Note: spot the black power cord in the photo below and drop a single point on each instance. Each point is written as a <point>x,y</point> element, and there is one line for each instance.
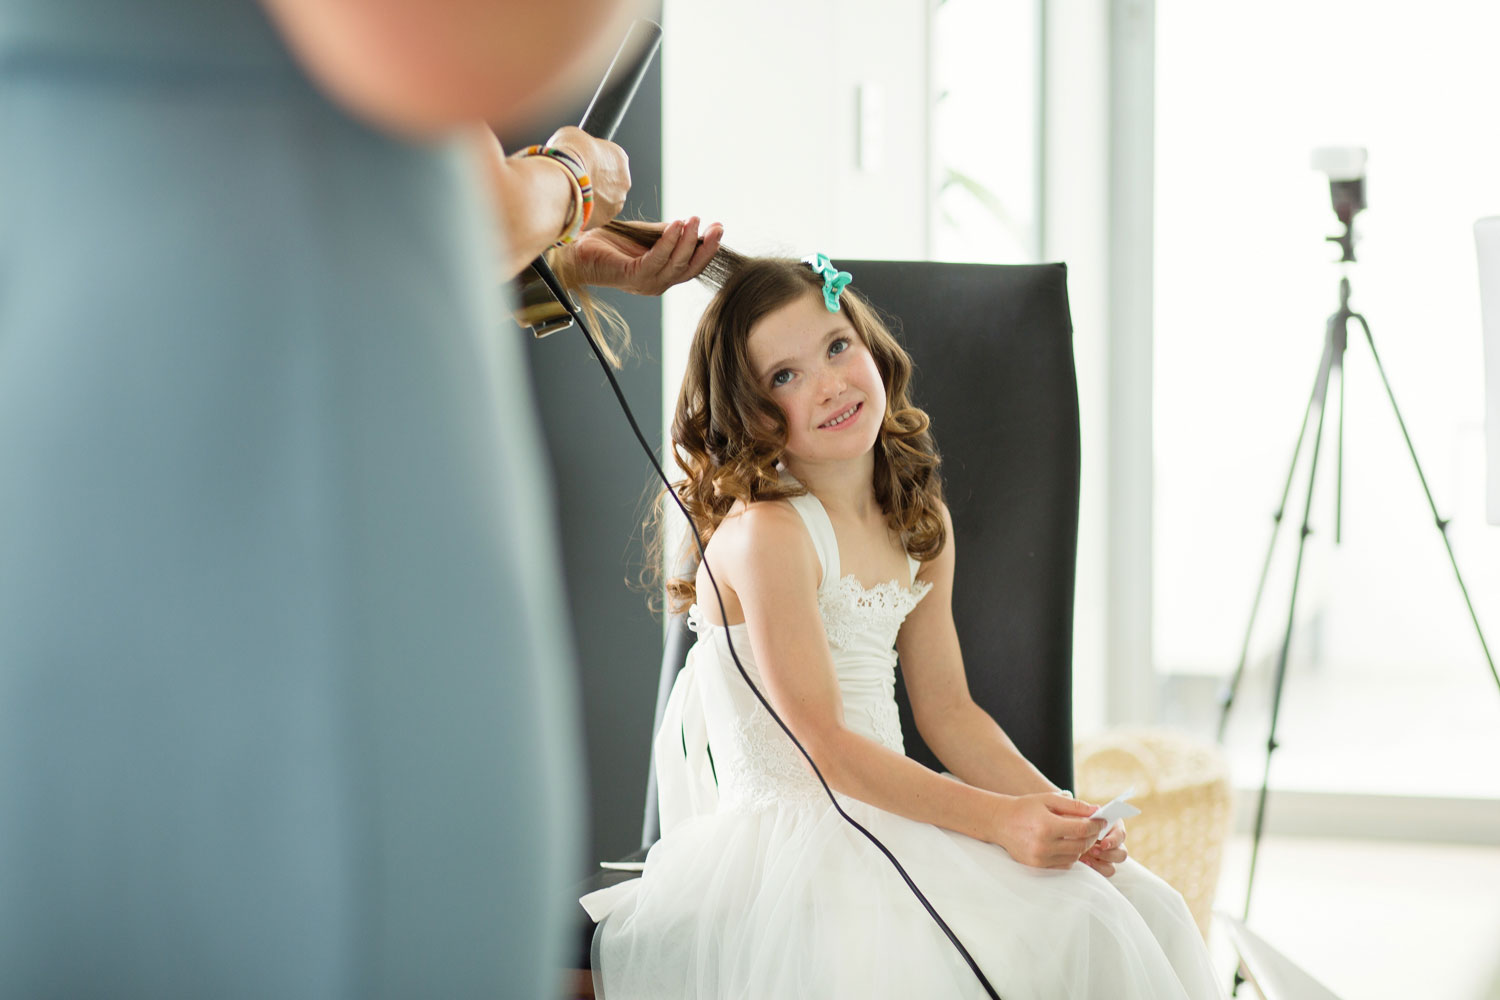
<point>550,279</point>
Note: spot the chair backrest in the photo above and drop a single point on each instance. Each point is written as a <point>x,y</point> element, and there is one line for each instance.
<point>1487,241</point>
<point>993,349</point>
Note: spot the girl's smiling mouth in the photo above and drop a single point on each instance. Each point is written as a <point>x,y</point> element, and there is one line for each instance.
<point>843,419</point>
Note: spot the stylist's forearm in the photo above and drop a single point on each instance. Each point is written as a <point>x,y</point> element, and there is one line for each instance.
<point>533,199</point>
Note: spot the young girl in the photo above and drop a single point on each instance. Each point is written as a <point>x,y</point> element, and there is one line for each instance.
<point>813,480</point>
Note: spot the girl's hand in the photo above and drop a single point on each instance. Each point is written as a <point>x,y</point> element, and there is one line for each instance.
<point>608,166</point>
<point>1047,829</point>
<point>1110,851</point>
<point>603,259</point>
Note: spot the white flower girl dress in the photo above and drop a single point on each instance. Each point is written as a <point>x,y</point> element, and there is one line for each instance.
<point>759,889</point>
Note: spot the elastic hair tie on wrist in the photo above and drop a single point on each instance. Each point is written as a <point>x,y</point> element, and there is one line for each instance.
<point>834,280</point>
<point>583,189</point>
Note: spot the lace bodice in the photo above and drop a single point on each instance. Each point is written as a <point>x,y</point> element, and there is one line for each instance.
<point>849,609</point>
<point>755,763</point>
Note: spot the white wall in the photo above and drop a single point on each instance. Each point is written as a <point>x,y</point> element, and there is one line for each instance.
<point>761,133</point>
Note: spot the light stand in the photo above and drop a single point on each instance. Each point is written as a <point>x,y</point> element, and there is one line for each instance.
<point>1348,200</point>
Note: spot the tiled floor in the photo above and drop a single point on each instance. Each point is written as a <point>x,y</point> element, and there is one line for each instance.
<point>1373,920</point>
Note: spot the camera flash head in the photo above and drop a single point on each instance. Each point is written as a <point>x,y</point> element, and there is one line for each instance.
<point>1345,167</point>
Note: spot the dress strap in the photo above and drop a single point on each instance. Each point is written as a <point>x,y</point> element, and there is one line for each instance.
<point>912,565</point>
<point>821,530</point>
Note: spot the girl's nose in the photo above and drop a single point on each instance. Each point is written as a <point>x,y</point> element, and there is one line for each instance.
<point>831,383</point>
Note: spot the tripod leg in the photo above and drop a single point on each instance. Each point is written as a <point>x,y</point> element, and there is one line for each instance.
<point>1442,523</point>
<point>1338,475</point>
<point>1286,641</point>
<point>1231,690</point>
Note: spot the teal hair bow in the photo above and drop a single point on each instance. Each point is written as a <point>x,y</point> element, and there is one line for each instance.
<point>834,280</point>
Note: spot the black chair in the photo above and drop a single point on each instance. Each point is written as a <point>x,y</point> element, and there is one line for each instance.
<point>994,369</point>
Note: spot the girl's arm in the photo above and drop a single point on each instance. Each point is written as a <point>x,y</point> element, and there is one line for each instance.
<point>968,741</point>
<point>962,735</point>
<point>775,577</point>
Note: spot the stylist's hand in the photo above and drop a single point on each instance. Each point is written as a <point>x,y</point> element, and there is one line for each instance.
<point>609,261</point>
<point>1047,829</point>
<point>1110,851</point>
<point>608,166</point>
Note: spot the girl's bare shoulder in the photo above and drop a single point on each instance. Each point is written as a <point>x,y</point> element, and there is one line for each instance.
<point>764,529</point>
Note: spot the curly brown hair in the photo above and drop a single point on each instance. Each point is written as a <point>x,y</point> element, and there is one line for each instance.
<point>728,433</point>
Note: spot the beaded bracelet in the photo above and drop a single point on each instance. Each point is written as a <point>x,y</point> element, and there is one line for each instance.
<point>583,189</point>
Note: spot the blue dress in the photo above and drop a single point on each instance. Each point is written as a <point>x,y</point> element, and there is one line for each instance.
<point>285,687</point>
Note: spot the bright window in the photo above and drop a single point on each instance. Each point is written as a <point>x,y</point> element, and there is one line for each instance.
<point>1387,689</point>
<point>985,138</point>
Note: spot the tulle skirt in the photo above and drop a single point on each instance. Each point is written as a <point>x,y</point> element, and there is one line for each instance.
<point>792,901</point>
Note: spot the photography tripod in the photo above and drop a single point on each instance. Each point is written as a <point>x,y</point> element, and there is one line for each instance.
<point>1334,345</point>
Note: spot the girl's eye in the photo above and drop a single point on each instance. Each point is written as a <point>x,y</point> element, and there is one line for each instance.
<point>839,346</point>
<point>781,378</point>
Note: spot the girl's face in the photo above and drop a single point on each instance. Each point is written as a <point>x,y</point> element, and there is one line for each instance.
<point>822,376</point>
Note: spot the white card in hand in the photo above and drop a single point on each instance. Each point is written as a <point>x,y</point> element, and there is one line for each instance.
<point>1115,811</point>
